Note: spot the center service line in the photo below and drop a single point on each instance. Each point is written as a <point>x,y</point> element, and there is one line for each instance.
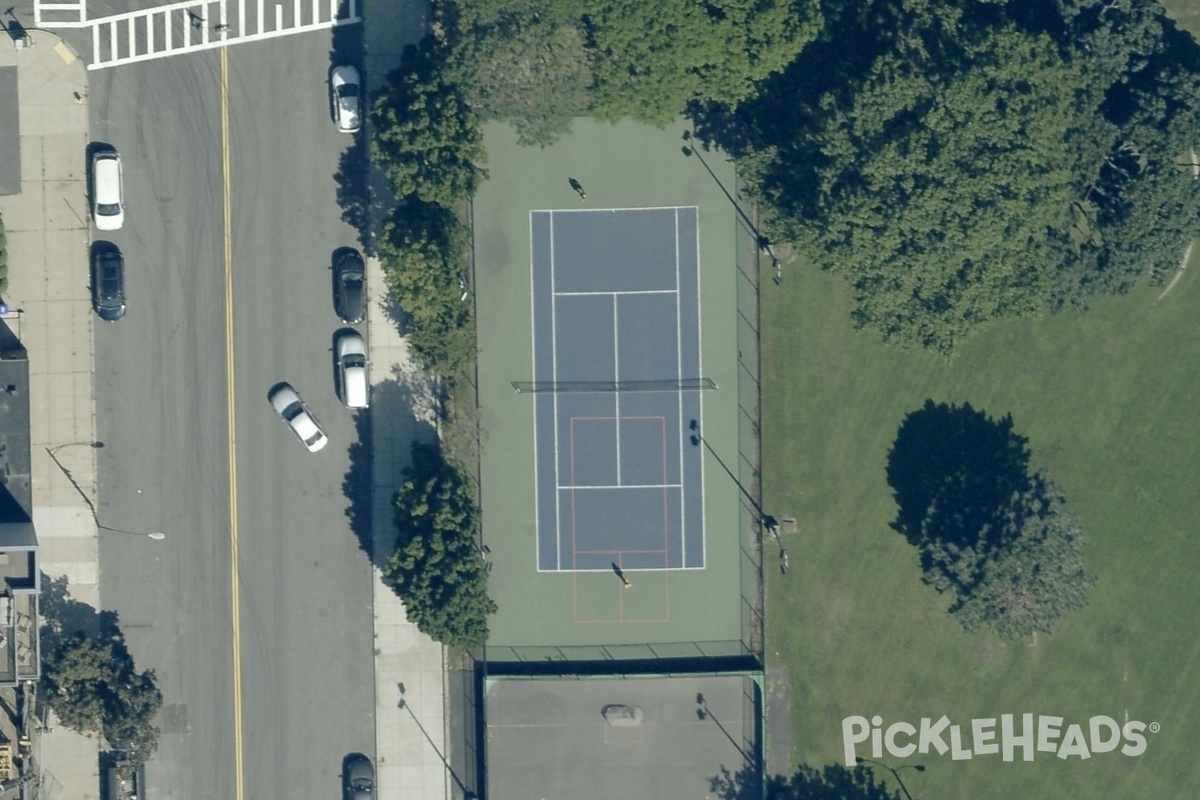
<point>235,598</point>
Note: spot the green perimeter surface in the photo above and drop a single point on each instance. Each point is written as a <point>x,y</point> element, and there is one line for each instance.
<point>1109,403</point>
<point>620,166</point>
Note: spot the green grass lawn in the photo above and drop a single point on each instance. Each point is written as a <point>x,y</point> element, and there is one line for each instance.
<point>1184,12</point>
<point>1110,401</point>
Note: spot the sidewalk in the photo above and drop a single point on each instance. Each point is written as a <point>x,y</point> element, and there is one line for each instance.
<point>410,742</point>
<point>48,232</point>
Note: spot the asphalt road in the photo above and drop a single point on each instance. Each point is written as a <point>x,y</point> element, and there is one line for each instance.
<point>305,625</point>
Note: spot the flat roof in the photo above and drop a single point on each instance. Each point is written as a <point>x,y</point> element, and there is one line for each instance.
<point>549,738</point>
<point>16,490</point>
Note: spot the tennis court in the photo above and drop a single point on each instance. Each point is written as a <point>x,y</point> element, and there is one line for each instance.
<point>615,318</point>
<point>618,382</point>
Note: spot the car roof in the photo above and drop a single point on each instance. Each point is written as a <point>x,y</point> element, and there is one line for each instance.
<point>352,343</point>
<point>108,177</point>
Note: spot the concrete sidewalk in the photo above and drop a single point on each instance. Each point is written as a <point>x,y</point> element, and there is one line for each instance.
<point>50,311</point>
<point>411,742</point>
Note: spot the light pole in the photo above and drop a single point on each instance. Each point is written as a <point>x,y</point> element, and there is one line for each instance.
<point>156,535</point>
<point>764,244</point>
<point>57,447</point>
<point>895,772</point>
<point>52,451</point>
<point>467,793</point>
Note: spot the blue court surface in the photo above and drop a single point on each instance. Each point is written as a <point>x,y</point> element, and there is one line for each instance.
<point>618,380</point>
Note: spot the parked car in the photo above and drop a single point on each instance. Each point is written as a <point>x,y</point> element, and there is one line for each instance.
<point>352,370</point>
<point>287,403</point>
<point>349,292</point>
<point>345,94</point>
<point>108,281</point>
<point>358,777</point>
<point>108,193</point>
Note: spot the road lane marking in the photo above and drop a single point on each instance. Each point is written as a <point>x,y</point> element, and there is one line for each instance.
<point>235,599</point>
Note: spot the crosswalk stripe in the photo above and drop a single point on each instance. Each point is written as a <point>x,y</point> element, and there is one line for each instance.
<point>190,26</point>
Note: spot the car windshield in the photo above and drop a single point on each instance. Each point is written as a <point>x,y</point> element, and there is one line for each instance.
<point>109,209</point>
<point>355,360</point>
<point>362,785</point>
<point>293,410</point>
<point>348,90</point>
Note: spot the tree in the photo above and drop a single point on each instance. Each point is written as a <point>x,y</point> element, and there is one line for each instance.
<point>437,568</point>
<point>532,70</point>
<point>427,140</point>
<point>830,782</point>
<point>652,59</point>
<point>997,538</point>
<point>423,251</point>
<point>964,162</point>
<point>74,682</point>
<point>1025,587</point>
<point>934,193</point>
<point>93,687</point>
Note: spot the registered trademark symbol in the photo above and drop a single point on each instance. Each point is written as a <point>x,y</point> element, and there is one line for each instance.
<point>1155,727</point>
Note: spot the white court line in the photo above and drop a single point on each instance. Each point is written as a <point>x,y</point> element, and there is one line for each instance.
<point>622,210</point>
<point>537,508</point>
<point>700,364</point>
<point>554,378</point>
<point>617,380</point>
<point>608,570</point>
<point>626,486</point>
<point>616,294</point>
<point>679,394</point>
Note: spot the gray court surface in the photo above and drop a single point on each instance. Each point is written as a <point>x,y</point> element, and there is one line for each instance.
<point>549,739</point>
<point>616,303</point>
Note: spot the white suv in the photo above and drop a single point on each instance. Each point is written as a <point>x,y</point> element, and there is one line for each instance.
<point>108,194</point>
<point>352,371</point>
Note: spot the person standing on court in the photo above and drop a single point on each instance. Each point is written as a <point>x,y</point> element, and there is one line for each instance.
<point>578,187</point>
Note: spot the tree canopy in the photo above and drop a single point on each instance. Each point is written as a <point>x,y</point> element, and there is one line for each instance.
<point>532,70</point>
<point>652,59</point>
<point>437,568</point>
<point>423,248</point>
<point>963,162</point>
<point>93,687</point>
<point>996,537</point>
<point>429,146</point>
<point>427,140</point>
<point>541,63</point>
<point>829,782</point>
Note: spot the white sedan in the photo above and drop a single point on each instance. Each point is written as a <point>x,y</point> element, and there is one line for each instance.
<point>345,93</point>
<point>287,403</point>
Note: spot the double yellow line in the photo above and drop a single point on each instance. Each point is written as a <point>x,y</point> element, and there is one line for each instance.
<point>235,597</point>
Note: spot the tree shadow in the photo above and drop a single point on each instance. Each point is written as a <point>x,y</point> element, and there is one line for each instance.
<point>954,472</point>
<point>64,617</point>
<point>398,417</point>
<point>831,782</point>
<point>353,191</point>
